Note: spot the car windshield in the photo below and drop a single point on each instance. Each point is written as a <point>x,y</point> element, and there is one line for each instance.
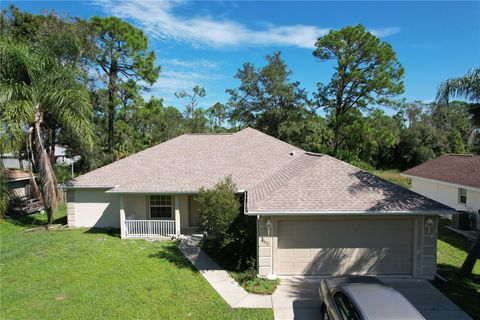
<point>346,307</point>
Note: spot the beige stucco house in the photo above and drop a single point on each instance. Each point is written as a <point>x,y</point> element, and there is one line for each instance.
<point>316,215</point>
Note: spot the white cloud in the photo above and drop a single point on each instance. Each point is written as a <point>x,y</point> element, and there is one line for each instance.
<point>158,18</point>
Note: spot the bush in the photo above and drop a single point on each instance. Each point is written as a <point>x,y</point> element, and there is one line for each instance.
<point>232,233</point>
<point>219,207</point>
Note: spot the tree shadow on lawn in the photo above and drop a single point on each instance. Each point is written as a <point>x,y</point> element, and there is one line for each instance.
<point>463,291</point>
<point>111,232</point>
<point>173,255</point>
<point>456,240</point>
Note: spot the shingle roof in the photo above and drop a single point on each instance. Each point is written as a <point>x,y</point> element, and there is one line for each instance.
<point>16,175</point>
<point>192,161</point>
<point>320,183</point>
<point>278,177</point>
<point>453,168</point>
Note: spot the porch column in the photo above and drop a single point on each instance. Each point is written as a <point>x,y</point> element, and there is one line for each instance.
<point>177,215</point>
<point>122,218</point>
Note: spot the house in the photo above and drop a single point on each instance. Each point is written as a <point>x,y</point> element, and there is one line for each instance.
<point>451,179</point>
<point>18,183</point>
<point>316,215</point>
<point>12,160</point>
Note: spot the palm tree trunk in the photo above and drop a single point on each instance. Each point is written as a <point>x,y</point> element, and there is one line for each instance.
<point>48,180</point>
<point>472,257</point>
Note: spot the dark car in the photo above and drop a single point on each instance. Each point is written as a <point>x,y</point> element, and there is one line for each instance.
<point>363,298</point>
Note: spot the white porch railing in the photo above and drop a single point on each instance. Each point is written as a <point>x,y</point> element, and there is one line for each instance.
<point>149,228</point>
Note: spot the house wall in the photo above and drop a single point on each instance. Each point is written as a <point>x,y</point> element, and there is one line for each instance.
<point>17,188</point>
<point>93,208</point>
<point>447,194</point>
<point>424,245</point>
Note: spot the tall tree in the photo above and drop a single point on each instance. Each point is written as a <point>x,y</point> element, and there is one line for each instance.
<point>266,97</point>
<point>367,74</point>
<point>122,55</point>
<point>34,88</point>
<point>216,115</point>
<point>468,87</point>
<point>195,118</point>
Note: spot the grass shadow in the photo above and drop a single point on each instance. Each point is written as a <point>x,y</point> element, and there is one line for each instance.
<point>173,255</point>
<point>454,239</point>
<point>463,291</point>
<point>112,232</point>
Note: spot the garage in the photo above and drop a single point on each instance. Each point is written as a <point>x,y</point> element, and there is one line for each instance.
<point>347,245</point>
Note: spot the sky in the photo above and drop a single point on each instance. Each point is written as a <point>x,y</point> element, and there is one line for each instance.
<point>206,42</point>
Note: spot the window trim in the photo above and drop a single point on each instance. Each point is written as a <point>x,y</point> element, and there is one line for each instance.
<point>462,191</point>
<point>171,206</point>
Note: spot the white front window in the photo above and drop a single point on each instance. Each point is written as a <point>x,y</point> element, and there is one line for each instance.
<point>160,206</point>
<point>462,195</point>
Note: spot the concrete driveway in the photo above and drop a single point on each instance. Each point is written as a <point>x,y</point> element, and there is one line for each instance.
<point>298,298</point>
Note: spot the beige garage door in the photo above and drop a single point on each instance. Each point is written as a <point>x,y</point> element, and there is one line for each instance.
<point>347,246</point>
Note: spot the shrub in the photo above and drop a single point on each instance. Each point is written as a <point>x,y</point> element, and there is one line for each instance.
<point>219,207</point>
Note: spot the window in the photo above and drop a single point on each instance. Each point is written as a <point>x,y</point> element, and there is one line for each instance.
<point>462,195</point>
<point>161,207</point>
<point>346,307</point>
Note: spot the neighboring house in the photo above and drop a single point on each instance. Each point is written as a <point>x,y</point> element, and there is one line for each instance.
<point>18,183</point>
<point>316,215</point>
<point>11,159</point>
<point>452,179</point>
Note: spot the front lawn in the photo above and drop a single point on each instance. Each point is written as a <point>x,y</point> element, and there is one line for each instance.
<point>93,274</point>
<point>463,291</point>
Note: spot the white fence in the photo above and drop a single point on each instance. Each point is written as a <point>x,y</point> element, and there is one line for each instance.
<point>149,228</point>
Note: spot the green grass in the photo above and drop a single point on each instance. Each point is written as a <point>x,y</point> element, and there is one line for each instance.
<point>463,291</point>
<point>394,177</point>
<point>93,274</point>
<point>246,278</point>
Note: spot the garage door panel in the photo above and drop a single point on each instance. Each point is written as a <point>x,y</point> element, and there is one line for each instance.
<point>325,247</point>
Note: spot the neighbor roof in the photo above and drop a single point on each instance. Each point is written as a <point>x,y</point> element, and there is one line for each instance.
<point>277,176</point>
<point>461,169</point>
<point>13,175</point>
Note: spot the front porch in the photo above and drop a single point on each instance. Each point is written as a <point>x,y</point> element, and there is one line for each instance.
<point>158,215</point>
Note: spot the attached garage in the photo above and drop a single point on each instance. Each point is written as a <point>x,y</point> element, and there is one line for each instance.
<point>331,246</point>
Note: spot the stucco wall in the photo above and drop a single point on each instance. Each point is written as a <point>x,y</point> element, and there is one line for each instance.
<point>183,206</point>
<point>135,206</point>
<point>447,194</point>
<point>95,208</point>
<point>424,246</point>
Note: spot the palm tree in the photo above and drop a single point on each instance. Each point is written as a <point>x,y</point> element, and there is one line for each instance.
<point>467,87</point>
<point>34,89</point>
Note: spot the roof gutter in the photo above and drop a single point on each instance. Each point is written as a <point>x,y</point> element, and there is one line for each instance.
<point>456,185</point>
<point>347,212</point>
<point>67,187</point>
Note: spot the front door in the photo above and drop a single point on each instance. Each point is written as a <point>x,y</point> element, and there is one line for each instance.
<point>193,212</point>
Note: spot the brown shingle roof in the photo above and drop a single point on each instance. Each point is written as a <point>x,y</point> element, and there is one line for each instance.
<point>277,176</point>
<point>453,168</point>
<point>16,175</point>
<point>320,183</point>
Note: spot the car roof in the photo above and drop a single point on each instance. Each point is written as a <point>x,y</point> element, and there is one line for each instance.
<point>379,301</point>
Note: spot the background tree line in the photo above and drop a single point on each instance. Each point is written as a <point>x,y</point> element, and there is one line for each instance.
<point>80,83</point>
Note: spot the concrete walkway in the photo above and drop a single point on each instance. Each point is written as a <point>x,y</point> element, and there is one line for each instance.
<point>220,280</point>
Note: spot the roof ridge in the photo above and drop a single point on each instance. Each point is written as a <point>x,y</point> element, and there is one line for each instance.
<point>270,137</point>
<point>278,178</point>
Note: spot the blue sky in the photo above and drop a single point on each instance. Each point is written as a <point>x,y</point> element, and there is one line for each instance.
<point>204,42</point>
